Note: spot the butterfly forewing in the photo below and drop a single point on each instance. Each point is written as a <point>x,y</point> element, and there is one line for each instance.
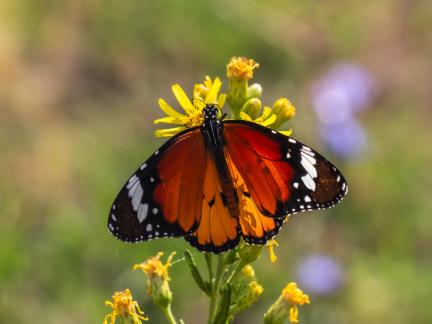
<point>297,177</point>
<point>147,205</point>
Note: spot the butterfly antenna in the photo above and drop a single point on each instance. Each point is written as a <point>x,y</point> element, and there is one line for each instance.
<point>198,99</point>
<point>224,115</point>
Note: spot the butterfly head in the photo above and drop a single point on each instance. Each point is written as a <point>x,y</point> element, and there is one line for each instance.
<point>210,112</point>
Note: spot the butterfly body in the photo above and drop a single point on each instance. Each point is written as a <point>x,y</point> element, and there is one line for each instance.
<point>212,129</point>
<point>221,181</point>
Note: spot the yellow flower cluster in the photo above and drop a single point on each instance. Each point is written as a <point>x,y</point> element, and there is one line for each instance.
<point>241,68</point>
<point>206,92</point>
<point>244,101</point>
<point>154,266</point>
<point>295,296</point>
<point>287,305</point>
<point>125,307</point>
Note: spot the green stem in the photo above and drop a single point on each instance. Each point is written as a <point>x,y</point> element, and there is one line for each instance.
<point>236,271</point>
<point>169,315</point>
<point>209,261</point>
<point>215,293</point>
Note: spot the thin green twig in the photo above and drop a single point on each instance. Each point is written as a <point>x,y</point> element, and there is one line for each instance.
<point>169,315</point>
<point>209,261</point>
<point>215,293</point>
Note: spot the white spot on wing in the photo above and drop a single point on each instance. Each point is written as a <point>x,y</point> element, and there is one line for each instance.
<point>291,140</point>
<point>308,157</point>
<point>149,228</point>
<point>113,218</point>
<point>308,181</point>
<point>142,212</point>
<point>132,181</point>
<point>295,185</point>
<point>137,196</point>
<point>308,166</point>
<point>155,211</point>
<point>288,155</point>
<point>307,199</point>
<point>142,167</point>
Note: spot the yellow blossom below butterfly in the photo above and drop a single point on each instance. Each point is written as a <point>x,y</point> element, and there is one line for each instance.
<point>125,307</point>
<point>203,93</point>
<point>287,305</point>
<point>157,279</point>
<point>271,244</point>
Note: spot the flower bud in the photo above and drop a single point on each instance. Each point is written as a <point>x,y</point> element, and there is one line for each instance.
<point>249,253</point>
<point>255,91</point>
<point>246,289</point>
<point>247,296</point>
<point>252,107</point>
<point>284,110</point>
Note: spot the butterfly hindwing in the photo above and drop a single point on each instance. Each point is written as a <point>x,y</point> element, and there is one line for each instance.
<point>217,230</point>
<point>255,227</point>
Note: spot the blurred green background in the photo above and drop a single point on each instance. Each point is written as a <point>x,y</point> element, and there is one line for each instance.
<point>79,84</point>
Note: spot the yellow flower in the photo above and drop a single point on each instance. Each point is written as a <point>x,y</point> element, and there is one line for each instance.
<point>239,71</point>
<point>206,92</point>
<point>266,119</point>
<point>240,67</point>
<point>125,307</point>
<point>157,279</point>
<point>293,295</point>
<point>154,266</point>
<point>271,244</point>
<point>287,305</point>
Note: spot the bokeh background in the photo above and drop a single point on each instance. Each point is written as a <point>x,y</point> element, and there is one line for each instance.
<point>79,84</point>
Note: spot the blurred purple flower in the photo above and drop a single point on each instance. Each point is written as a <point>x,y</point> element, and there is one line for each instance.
<point>346,139</point>
<point>346,89</point>
<point>320,274</point>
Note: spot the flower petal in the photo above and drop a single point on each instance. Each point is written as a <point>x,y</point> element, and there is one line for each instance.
<point>286,132</point>
<point>266,112</point>
<point>245,116</point>
<point>168,132</point>
<point>221,99</point>
<point>183,99</point>
<point>167,109</point>
<point>213,91</point>
<point>269,120</point>
<point>169,120</point>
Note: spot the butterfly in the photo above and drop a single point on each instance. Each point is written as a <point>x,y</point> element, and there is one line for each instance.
<point>222,181</point>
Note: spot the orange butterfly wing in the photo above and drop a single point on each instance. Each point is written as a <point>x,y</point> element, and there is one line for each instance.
<point>217,230</point>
